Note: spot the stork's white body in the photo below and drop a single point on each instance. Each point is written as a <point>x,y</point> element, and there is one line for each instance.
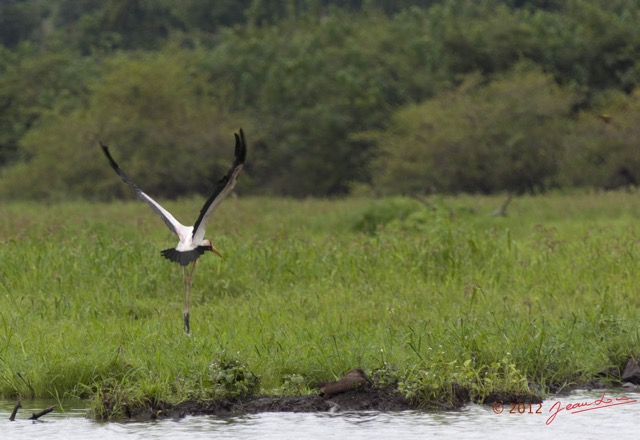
<point>191,242</point>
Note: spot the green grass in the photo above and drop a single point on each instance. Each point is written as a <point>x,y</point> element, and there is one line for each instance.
<point>424,295</point>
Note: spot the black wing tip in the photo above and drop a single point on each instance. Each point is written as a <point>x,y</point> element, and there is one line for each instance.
<point>241,147</point>
<point>105,150</point>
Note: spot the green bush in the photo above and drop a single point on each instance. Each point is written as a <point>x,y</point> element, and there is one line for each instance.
<point>479,138</point>
<point>230,378</point>
<point>381,213</point>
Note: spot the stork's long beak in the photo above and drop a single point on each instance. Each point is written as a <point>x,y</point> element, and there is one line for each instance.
<point>216,251</point>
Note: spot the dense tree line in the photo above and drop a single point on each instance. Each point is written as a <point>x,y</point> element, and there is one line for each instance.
<point>386,96</point>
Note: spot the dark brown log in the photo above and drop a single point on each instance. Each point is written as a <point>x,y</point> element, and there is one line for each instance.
<point>502,210</point>
<point>36,416</point>
<point>15,411</point>
<point>354,379</point>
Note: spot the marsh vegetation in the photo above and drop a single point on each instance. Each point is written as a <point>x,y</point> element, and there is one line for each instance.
<point>427,298</point>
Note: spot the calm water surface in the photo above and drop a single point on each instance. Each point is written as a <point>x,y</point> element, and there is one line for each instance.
<point>590,415</point>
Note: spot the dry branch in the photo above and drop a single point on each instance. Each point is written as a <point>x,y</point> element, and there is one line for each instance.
<point>502,210</point>
<point>15,410</point>
<point>36,416</point>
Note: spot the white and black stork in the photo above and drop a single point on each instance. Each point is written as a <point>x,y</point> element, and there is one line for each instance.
<point>192,243</point>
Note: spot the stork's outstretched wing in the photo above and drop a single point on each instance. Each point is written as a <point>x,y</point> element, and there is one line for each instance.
<point>223,188</point>
<point>174,225</point>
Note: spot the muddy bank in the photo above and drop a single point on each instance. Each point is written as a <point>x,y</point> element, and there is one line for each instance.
<point>383,399</point>
<point>369,396</point>
<point>371,399</point>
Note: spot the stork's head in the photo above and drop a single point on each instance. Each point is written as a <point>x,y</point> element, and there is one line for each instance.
<point>207,243</point>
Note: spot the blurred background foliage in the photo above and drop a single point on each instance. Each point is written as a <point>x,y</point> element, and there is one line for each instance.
<point>384,97</point>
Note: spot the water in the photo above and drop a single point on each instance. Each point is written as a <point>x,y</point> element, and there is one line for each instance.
<point>593,416</point>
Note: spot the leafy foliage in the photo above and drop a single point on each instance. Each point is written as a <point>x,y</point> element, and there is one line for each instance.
<point>602,147</point>
<point>382,213</point>
<point>150,107</point>
<point>511,89</point>
<point>231,378</point>
<point>443,382</point>
<point>478,138</point>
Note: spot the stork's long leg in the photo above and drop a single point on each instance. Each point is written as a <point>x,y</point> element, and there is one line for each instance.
<point>185,311</point>
<point>187,296</point>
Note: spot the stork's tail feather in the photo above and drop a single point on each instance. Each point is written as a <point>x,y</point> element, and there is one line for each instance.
<point>183,258</point>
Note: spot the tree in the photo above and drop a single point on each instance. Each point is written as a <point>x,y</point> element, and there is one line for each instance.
<point>505,135</point>
<point>19,20</point>
<point>314,90</point>
<point>159,115</point>
<point>602,148</point>
<point>33,84</point>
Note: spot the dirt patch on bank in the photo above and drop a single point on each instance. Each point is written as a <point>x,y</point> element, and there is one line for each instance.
<point>372,399</point>
<point>383,399</point>
<point>366,396</point>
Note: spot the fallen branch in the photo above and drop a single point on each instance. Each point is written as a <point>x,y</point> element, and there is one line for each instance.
<point>425,201</point>
<point>502,210</point>
<point>36,416</point>
<point>15,411</point>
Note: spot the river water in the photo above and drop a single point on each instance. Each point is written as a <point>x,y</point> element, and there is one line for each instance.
<point>581,415</point>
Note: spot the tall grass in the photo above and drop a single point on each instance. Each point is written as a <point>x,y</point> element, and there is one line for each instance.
<point>430,295</point>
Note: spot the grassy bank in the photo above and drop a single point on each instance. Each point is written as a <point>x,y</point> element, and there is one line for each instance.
<point>426,295</point>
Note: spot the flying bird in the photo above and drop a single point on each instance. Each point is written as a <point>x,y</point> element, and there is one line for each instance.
<point>192,243</point>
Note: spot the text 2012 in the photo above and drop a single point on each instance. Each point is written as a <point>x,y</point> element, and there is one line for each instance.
<point>517,408</point>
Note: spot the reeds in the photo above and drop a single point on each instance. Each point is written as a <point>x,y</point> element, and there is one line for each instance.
<point>440,294</point>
